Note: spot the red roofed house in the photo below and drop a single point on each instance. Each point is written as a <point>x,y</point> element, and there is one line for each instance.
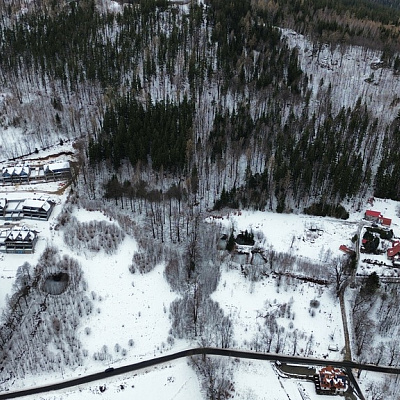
<point>376,216</point>
<point>372,215</point>
<point>393,251</point>
<point>331,380</point>
<point>385,221</point>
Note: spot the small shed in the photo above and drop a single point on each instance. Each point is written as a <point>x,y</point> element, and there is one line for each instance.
<point>385,221</point>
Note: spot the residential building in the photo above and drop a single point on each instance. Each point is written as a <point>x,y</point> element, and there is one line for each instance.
<point>57,170</point>
<point>331,380</point>
<point>372,216</point>
<point>37,209</point>
<point>18,240</point>
<point>377,217</point>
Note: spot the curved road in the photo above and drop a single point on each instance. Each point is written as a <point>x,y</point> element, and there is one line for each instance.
<point>348,365</point>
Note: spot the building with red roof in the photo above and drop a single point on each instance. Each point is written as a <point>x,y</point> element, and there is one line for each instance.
<point>331,380</point>
<point>371,215</point>
<point>345,249</point>
<point>376,216</point>
<point>385,221</point>
<point>393,251</point>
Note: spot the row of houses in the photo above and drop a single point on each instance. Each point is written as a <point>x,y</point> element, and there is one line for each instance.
<point>37,208</point>
<point>17,174</point>
<point>18,240</point>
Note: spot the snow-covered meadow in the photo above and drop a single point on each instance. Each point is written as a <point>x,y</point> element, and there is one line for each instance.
<point>130,317</point>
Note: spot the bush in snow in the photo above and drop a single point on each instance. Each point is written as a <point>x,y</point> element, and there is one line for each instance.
<point>38,331</point>
<point>93,235</point>
<point>151,253</point>
<point>314,303</point>
<point>216,377</point>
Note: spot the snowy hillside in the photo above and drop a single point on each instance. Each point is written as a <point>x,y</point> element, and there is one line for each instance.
<point>218,173</point>
<point>347,73</point>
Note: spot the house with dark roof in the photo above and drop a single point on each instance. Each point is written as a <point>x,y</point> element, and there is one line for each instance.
<point>6,174</point>
<point>20,174</point>
<point>18,240</point>
<point>57,170</point>
<point>37,209</point>
<point>17,209</point>
<point>15,174</point>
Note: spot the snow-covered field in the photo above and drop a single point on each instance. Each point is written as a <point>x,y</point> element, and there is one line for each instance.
<point>247,304</point>
<point>135,306</point>
<point>292,233</point>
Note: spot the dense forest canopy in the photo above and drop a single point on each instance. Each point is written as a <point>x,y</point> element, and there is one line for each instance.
<point>213,88</point>
<point>371,23</point>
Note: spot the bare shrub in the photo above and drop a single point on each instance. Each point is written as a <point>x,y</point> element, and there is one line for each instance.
<point>216,377</point>
<point>93,235</point>
<point>314,303</point>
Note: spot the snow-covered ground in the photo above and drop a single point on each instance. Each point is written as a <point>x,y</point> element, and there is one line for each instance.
<point>131,322</point>
<point>292,233</point>
<point>135,306</point>
<point>352,72</point>
<point>247,304</point>
<point>168,381</point>
<point>254,380</point>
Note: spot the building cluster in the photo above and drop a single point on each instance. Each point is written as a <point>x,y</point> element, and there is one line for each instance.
<point>17,174</point>
<point>15,239</point>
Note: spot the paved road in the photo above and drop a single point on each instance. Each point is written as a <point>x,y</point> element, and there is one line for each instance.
<point>348,365</point>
